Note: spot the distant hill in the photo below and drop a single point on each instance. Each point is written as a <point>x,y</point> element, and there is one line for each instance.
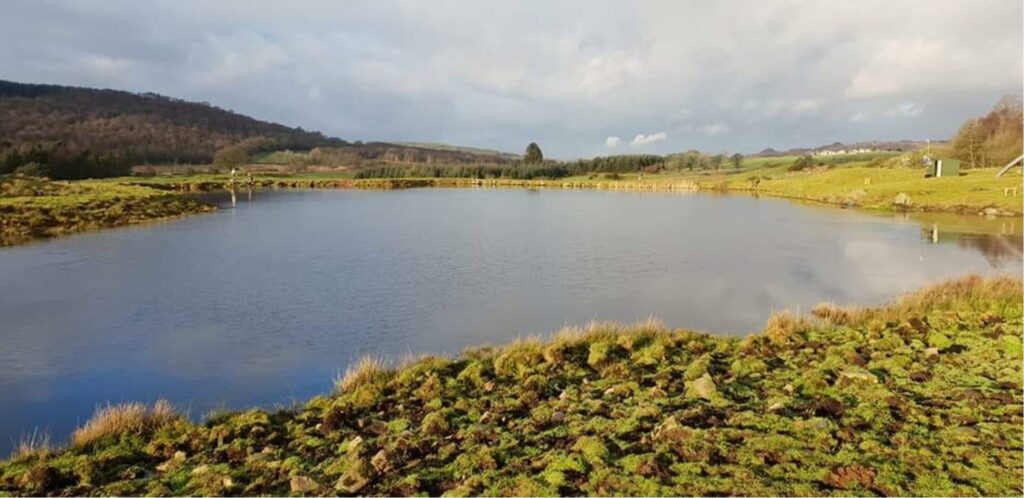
<point>457,148</point>
<point>81,132</point>
<point>141,128</point>
<point>839,147</point>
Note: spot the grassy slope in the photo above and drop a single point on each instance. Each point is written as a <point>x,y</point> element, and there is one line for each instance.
<point>972,193</point>
<point>923,397</point>
<point>32,208</point>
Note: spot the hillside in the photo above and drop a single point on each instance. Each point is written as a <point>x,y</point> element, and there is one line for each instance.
<point>76,132</point>
<point>142,128</point>
<point>839,147</point>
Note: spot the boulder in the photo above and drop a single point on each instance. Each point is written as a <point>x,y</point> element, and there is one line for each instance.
<point>703,387</point>
<point>902,200</point>
<point>671,431</point>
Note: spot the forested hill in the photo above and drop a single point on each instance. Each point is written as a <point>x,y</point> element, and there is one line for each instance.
<point>72,132</point>
<point>140,128</point>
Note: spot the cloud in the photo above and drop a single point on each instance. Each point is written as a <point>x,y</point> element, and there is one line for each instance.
<point>905,110</point>
<point>741,75</point>
<point>643,140</point>
<point>712,129</point>
<point>612,142</point>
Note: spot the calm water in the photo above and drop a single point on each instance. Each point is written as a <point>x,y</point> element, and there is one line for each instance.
<point>266,302</point>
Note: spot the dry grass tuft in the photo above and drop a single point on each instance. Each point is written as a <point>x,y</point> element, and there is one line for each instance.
<point>833,313</point>
<point>34,445</point>
<point>365,371</point>
<point>970,289</point>
<point>785,327</point>
<point>123,418</point>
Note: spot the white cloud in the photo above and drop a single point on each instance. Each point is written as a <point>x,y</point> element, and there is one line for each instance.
<point>105,67</point>
<point>905,110</point>
<point>227,59</point>
<point>642,140</point>
<point>605,73</point>
<point>907,65</point>
<point>712,129</point>
<point>612,142</point>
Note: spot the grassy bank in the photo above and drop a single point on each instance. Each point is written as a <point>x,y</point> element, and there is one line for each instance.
<point>31,208</point>
<point>921,397</point>
<point>66,207</point>
<point>851,185</point>
<point>880,188</point>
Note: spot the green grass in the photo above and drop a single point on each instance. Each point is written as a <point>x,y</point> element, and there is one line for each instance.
<point>878,187</point>
<point>32,208</point>
<point>921,397</point>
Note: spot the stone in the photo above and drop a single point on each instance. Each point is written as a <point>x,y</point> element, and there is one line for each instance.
<point>776,407</point>
<point>931,352</point>
<point>703,387</point>
<point>671,431</point>
<point>353,445</point>
<point>354,479</point>
<point>380,461</point>
<point>558,416</point>
<point>859,375</point>
<point>202,469</point>
<point>903,200</point>
<point>302,485</point>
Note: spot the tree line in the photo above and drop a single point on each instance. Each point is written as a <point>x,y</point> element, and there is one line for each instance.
<point>991,140</point>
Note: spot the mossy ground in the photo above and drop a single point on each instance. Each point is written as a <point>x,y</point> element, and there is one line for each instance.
<point>32,208</point>
<point>922,397</point>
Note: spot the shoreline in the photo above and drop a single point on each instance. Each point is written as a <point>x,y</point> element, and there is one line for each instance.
<point>29,221</point>
<point>890,399</point>
<point>625,185</point>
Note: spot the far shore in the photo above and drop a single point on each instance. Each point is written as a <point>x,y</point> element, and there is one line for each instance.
<point>36,208</point>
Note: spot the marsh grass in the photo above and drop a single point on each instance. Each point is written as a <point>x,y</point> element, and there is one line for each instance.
<point>32,445</point>
<point>131,417</point>
<point>366,370</point>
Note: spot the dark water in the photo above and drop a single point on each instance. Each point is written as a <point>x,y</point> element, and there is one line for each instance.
<point>267,302</point>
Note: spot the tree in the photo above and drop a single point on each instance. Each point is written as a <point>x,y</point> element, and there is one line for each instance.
<point>692,159</point>
<point>993,139</point>
<point>717,160</point>
<point>231,157</point>
<point>533,154</point>
<point>737,160</point>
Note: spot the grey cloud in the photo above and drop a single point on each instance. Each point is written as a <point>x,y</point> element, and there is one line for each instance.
<point>713,75</point>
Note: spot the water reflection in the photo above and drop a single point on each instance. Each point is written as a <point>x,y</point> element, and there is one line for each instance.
<point>998,239</point>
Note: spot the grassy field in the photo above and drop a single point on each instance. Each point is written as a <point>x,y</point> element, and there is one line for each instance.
<point>921,397</point>
<point>75,206</point>
<point>851,181</point>
<point>31,208</point>
<point>878,188</point>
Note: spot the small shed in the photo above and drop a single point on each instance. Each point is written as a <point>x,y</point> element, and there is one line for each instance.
<point>939,168</point>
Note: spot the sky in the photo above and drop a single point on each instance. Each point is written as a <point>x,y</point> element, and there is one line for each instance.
<point>579,78</point>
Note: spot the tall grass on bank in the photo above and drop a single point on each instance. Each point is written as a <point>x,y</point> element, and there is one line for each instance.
<point>123,418</point>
